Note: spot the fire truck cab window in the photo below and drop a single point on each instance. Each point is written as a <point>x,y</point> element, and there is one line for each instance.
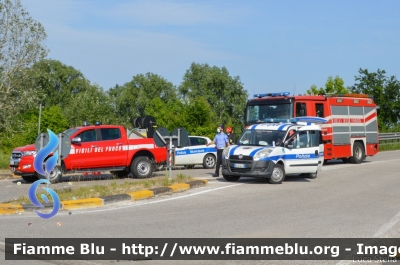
<point>110,133</point>
<point>319,110</point>
<point>88,136</point>
<point>301,109</point>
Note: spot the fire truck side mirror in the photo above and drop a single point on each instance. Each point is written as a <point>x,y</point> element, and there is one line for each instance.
<point>76,140</point>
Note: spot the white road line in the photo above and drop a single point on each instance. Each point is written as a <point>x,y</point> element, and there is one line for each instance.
<point>380,233</point>
<point>389,225</point>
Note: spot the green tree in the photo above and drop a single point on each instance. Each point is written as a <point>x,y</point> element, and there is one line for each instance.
<point>225,94</point>
<point>91,105</point>
<point>196,117</point>
<point>51,118</point>
<point>167,114</point>
<point>332,86</point>
<point>21,39</point>
<point>57,82</point>
<point>386,93</point>
<point>133,97</point>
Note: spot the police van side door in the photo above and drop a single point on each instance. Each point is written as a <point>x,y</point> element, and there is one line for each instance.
<point>302,152</point>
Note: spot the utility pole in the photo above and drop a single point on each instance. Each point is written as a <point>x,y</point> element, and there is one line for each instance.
<point>40,114</point>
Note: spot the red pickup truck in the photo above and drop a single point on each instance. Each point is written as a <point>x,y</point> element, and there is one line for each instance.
<point>96,148</point>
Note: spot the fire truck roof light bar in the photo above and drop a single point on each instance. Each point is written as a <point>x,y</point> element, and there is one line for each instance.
<point>276,94</point>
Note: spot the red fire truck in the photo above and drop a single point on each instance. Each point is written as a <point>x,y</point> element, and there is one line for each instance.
<point>351,132</point>
<point>96,148</point>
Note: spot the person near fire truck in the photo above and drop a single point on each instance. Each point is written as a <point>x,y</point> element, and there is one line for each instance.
<point>231,135</point>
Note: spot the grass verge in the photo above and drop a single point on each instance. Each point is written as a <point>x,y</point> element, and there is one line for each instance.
<point>111,189</point>
<point>389,145</point>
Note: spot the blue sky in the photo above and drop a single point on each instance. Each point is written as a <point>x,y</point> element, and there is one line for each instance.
<point>272,46</point>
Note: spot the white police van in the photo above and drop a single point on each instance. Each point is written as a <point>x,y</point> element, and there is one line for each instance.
<point>273,150</point>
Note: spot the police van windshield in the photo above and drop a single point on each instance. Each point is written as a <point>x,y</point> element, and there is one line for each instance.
<point>262,137</point>
<point>268,113</point>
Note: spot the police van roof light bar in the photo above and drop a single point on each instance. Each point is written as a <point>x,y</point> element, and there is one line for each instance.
<point>276,94</point>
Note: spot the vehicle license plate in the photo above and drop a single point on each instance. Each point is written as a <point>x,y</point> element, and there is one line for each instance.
<point>239,165</point>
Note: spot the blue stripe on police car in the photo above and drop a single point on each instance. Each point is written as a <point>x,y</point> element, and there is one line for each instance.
<point>195,151</point>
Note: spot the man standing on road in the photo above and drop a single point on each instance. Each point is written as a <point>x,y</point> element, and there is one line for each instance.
<point>221,141</point>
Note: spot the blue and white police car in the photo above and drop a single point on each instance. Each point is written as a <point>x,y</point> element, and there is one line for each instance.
<point>273,150</point>
<point>196,153</point>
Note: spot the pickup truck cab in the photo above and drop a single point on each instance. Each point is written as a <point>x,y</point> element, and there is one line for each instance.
<point>272,150</point>
<point>96,148</point>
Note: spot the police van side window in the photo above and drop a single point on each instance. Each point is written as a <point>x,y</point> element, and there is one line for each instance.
<point>110,133</point>
<point>306,139</point>
<point>88,136</point>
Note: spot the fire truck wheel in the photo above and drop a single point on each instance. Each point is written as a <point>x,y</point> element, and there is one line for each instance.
<point>141,167</point>
<point>358,153</point>
<point>231,178</point>
<point>30,179</point>
<point>55,175</point>
<point>209,161</point>
<point>278,174</point>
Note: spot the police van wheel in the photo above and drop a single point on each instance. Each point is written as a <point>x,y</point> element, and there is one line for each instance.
<point>209,161</point>
<point>141,167</point>
<point>55,175</point>
<point>278,174</point>
<point>358,153</point>
<point>30,179</point>
<point>231,178</point>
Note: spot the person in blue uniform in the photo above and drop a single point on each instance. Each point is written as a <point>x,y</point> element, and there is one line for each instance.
<point>221,141</point>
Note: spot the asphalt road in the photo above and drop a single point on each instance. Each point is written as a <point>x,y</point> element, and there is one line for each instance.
<point>345,201</point>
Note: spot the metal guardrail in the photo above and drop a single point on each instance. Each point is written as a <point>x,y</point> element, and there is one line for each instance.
<point>389,136</point>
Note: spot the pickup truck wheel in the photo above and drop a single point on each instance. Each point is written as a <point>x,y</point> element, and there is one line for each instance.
<point>55,175</point>
<point>209,161</point>
<point>278,174</point>
<point>141,167</point>
<point>30,179</point>
<point>231,178</point>
<point>358,153</point>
